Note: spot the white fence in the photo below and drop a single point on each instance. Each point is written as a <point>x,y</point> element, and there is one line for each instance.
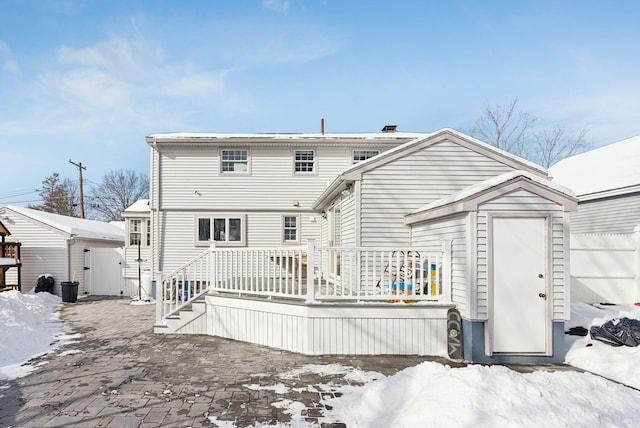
<point>605,267</point>
<point>311,274</point>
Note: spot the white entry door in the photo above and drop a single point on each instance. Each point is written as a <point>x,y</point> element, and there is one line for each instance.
<point>519,320</point>
<point>105,272</point>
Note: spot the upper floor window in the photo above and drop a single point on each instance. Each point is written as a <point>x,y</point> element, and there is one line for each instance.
<point>225,230</point>
<point>360,155</point>
<point>236,160</point>
<point>304,161</point>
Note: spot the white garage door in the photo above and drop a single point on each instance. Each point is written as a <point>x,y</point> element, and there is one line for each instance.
<point>105,272</point>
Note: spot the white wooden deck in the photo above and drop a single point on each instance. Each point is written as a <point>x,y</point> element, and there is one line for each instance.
<point>246,295</point>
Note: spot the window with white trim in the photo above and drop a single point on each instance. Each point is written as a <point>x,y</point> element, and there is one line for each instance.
<point>290,228</point>
<point>236,160</point>
<point>223,229</point>
<point>135,232</point>
<point>304,161</point>
<point>360,155</point>
<point>148,232</point>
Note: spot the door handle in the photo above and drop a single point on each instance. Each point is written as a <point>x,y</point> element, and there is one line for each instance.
<point>540,276</point>
<point>542,296</point>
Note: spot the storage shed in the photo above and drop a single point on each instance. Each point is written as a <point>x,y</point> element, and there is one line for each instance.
<point>67,248</point>
<point>510,277</point>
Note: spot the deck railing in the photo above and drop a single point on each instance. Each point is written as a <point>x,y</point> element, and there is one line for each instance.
<point>313,274</point>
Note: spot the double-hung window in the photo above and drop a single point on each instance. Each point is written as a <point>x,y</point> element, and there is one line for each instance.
<point>234,160</point>
<point>290,228</point>
<point>304,161</point>
<point>135,232</point>
<point>225,230</point>
<point>360,155</point>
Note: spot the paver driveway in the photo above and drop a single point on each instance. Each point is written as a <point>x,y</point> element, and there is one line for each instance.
<point>120,374</point>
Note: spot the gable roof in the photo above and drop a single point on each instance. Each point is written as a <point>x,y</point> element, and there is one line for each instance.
<point>72,226</point>
<point>355,172</point>
<point>141,206</point>
<point>614,168</point>
<point>470,197</point>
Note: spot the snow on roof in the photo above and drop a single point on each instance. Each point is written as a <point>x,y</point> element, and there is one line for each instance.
<point>490,183</point>
<point>206,136</point>
<point>81,228</point>
<point>610,167</point>
<point>139,206</point>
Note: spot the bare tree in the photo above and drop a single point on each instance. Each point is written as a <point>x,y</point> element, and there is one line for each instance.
<point>556,143</point>
<point>118,190</point>
<point>514,130</point>
<point>58,197</point>
<point>505,127</point>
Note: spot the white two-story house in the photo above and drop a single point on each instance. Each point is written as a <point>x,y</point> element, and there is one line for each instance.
<point>359,243</point>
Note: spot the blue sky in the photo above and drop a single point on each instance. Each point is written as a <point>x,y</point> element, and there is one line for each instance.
<point>88,80</point>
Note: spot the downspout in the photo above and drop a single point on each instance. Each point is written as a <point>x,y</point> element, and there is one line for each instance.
<point>70,241</point>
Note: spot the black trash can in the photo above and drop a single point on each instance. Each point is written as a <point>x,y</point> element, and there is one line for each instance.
<point>69,291</point>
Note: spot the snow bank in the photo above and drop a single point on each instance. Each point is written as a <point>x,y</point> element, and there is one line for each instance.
<point>435,395</point>
<point>29,327</point>
<point>621,363</point>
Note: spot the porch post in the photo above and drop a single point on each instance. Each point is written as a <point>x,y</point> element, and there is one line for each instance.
<point>446,271</point>
<point>310,271</point>
<point>213,280</point>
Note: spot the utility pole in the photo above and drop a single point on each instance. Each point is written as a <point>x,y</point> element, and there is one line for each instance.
<point>80,168</point>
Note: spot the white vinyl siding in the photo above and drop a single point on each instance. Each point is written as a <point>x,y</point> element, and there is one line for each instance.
<point>430,235</point>
<point>43,251</point>
<point>391,191</point>
<point>327,329</point>
<point>263,229</point>
<point>348,221</point>
<point>615,215</point>
<point>519,202</point>
<point>187,170</point>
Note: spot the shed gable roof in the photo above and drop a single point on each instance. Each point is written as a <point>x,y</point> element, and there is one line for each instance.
<point>78,227</point>
<point>470,197</point>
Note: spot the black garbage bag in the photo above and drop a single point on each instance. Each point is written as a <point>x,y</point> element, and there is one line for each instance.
<point>45,283</point>
<point>618,332</point>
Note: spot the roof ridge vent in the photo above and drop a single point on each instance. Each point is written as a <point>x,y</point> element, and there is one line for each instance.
<point>389,128</point>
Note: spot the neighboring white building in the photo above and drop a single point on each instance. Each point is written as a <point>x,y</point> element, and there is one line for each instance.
<point>360,192</point>
<point>605,230</point>
<point>606,181</point>
<point>68,248</point>
<point>137,246</point>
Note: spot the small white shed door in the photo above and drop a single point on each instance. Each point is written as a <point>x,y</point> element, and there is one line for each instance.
<point>519,321</point>
<point>105,272</point>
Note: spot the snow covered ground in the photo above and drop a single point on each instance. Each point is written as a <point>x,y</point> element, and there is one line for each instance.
<point>428,394</point>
